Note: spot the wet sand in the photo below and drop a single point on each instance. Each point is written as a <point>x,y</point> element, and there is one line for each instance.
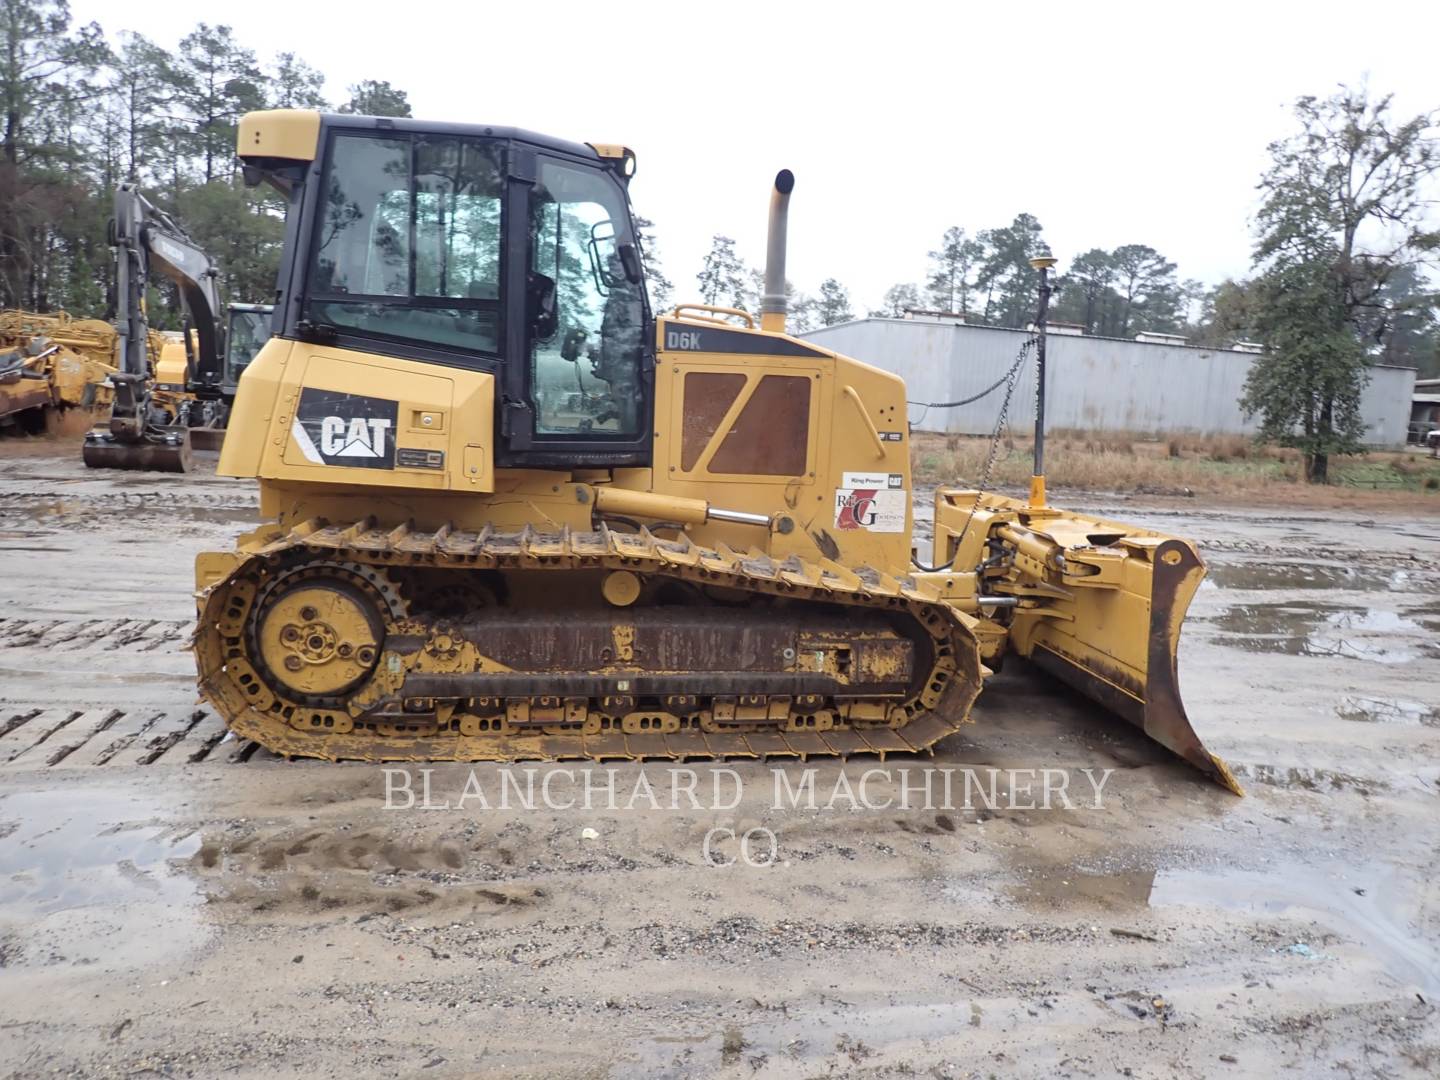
<point>174,902</point>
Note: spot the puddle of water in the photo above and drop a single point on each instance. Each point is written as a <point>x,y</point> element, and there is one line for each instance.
<point>1306,575</point>
<point>1072,887</point>
<point>1310,629</point>
<point>1308,778</point>
<point>1388,711</point>
<point>1371,917</point>
<point>1375,917</point>
<point>94,880</point>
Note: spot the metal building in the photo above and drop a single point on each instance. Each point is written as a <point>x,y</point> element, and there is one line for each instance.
<point>1424,409</point>
<point>1093,383</point>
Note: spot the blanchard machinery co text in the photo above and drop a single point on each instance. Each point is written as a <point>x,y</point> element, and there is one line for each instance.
<point>720,789</point>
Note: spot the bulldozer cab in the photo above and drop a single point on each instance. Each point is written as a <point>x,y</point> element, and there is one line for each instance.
<point>492,249</point>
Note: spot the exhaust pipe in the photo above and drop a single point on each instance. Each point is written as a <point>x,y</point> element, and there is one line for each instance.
<point>772,303</point>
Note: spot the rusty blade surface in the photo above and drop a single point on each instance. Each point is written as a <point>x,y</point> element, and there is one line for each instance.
<point>1154,706</point>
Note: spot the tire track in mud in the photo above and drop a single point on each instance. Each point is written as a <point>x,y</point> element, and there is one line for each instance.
<point>138,635</point>
<point>1292,552</point>
<point>236,500</point>
<point>51,735</point>
<point>46,738</point>
<point>48,509</point>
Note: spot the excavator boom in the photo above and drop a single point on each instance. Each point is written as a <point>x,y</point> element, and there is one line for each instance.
<point>139,434</point>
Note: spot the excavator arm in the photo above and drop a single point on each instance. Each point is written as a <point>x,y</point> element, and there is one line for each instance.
<point>146,238</point>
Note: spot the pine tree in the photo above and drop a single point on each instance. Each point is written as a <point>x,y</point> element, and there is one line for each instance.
<point>952,266</point>
<point>294,84</point>
<point>215,80</point>
<point>655,279</point>
<point>1084,292</point>
<point>834,303</point>
<point>1005,273</point>
<point>1145,280</point>
<point>374,97</point>
<point>802,316</point>
<point>139,93</point>
<point>898,300</point>
<point>722,276</point>
<point>44,68</point>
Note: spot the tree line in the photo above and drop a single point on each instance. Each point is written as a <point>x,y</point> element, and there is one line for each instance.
<point>82,115</point>
<point>1342,275</point>
<point>986,278</point>
<point>1342,271</point>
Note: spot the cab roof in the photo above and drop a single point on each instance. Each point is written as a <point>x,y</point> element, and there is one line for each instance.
<point>346,121</point>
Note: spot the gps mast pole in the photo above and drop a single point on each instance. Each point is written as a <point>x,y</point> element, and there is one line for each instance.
<point>1043,263</point>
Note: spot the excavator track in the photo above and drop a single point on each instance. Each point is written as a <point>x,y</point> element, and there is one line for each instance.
<point>366,642</point>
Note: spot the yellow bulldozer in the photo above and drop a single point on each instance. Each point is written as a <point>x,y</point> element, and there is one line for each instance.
<point>511,513</point>
<point>51,364</point>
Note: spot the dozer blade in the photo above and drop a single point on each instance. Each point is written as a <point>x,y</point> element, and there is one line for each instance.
<point>207,438</point>
<point>164,450</point>
<point>1100,606</point>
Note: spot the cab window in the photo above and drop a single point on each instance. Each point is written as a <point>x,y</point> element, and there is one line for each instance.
<point>249,330</point>
<point>407,240</point>
<point>585,369</point>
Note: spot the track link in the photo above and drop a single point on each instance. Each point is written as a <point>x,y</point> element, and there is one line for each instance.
<point>366,556</point>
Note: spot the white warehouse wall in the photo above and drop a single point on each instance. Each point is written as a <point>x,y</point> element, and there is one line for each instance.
<point>1093,383</point>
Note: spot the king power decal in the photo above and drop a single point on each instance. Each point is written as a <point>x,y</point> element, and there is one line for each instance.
<point>334,428</point>
<point>874,502</point>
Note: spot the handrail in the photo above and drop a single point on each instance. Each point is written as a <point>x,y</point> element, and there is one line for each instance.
<point>735,312</point>
<point>854,396</point>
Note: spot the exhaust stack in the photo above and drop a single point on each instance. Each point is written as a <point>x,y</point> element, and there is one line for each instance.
<point>772,303</point>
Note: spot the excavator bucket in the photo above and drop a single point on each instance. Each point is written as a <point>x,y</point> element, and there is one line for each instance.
<point>207,438</point>
<point>161,450</point>
<point>1098,604</point>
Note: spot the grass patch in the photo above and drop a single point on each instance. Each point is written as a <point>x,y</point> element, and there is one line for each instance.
<point>1182,465</point>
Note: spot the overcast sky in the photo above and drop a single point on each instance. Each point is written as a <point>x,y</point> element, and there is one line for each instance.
<point>1112,123</point>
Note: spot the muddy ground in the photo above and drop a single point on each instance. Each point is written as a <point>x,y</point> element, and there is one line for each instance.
<point>176,903</point>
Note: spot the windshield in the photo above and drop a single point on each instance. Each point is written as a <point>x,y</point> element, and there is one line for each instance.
<point>407,243</point>
<point>585,374</point>
<point>249,330</point>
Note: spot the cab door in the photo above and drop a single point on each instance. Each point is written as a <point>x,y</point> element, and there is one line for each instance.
<point>580,378</point>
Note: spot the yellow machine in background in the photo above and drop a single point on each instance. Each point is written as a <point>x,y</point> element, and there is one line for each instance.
<point>50,364</point>
<point>246,330</point>
<point>171,364</point>
<point>511,513</point>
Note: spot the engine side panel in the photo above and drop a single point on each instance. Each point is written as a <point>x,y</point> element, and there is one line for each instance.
<point>768,424</point>
<point>313,414</point>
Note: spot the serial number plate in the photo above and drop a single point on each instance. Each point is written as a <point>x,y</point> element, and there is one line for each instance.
<point>407,458</point>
